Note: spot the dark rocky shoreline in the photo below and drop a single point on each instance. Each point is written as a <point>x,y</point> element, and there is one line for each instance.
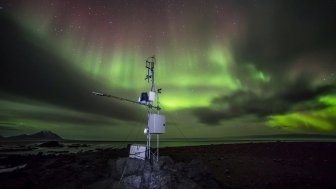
<point>252,165</point>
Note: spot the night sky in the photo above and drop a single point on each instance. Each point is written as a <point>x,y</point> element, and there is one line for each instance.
<point>226,68</point>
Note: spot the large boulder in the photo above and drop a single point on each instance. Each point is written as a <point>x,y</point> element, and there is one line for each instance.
<point>131,182</point>
<point>128,173</point>
<point>166,162</point>
<point>160,179</point>
<point>128,166</point>
<point>134,167</point>
<point>119,166</point>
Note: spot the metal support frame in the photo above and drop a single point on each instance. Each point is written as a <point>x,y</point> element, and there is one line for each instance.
<point>150,62</point>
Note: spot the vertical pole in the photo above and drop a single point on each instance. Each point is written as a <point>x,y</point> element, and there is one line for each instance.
<point>149,146</point>
<point>157,147</point>
<point>153,84</point>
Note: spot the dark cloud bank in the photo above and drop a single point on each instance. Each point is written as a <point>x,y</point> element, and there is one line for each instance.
<point>31,71</point>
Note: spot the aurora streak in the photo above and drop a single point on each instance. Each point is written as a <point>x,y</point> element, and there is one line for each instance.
<point>227,68</point>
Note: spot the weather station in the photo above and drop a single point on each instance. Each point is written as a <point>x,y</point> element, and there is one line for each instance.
<point>156,121</point>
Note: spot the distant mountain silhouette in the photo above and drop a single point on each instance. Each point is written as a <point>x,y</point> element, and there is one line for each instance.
<point>42,135</point>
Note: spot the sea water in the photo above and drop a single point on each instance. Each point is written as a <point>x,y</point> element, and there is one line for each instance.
<point>32,147</point>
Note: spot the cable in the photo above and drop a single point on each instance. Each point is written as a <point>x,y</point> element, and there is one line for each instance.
<point>181,132</point>
<point>137,134</point>
<point>122,175</point>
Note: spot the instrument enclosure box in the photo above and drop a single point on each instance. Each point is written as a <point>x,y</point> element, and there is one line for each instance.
<point>137,151</point>
<point>156,124</point>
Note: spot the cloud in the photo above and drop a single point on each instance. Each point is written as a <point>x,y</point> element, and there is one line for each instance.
<point>322,120</point>
<point>67,117</point>
<point>273,38</point>
<point>32,72</point>
<point>32,113</point>
<point>4,127</point>
<point>7,129</point>
<point>297,96</point>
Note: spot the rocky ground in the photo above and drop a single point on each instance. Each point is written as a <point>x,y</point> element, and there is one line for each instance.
<point>253,165</point>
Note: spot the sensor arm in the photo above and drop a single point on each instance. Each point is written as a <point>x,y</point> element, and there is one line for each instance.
<point>124,99</point>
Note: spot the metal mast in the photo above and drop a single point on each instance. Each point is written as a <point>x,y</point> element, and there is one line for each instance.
<point>156,122</point>
<point>152,116</point>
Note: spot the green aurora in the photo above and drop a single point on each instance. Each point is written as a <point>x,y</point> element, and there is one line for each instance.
<point>218,80</point>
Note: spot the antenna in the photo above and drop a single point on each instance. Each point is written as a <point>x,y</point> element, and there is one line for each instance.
<point>150,71</point>
<point>156,122</point>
